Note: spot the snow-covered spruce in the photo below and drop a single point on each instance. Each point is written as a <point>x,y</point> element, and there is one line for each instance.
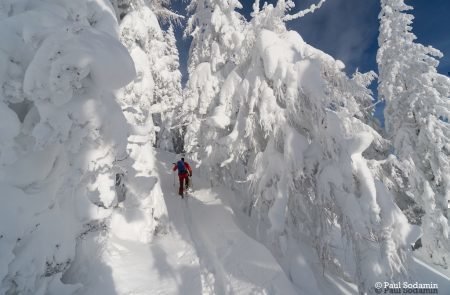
<point>290,134</point>
<point>149,102</point>
<point>217,34</point>
<point>417,113</point>
<point>168,94</point>
<point>61,132</point>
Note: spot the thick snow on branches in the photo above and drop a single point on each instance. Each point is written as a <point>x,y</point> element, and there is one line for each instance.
<point>284,145</point>
<point>62,131</point>
<point>417,113</point>
<point>289,131</point>
<point>217,35</point>
<point>291,138</point>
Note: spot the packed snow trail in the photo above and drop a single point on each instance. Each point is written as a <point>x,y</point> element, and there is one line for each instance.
<point>230,261</point>
<point>200,251</point>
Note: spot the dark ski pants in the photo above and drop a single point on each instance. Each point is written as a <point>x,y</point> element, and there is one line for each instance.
<point>184,182</point>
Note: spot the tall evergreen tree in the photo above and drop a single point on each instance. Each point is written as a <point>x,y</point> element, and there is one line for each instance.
<point>416,116</point>
<point>217,32</point>
<point>168,91</point>
<point>157,89</point>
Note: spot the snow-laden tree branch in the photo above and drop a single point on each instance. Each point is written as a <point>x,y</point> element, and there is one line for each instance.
<point>304,12</point>
<point>168,16</point>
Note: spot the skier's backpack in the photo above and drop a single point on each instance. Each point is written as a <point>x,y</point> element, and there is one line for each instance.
<point>181,167</point>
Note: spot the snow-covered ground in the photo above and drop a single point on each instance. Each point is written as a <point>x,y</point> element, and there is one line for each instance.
<point>200,249</point>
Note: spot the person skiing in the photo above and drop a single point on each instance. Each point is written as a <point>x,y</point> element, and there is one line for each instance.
<point>184,172</point>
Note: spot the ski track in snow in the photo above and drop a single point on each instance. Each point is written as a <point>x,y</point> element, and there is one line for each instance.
<point>213,278</point>
<point>200,251</point>
<point>230,261</point>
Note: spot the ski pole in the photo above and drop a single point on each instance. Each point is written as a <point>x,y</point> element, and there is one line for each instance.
<point>173,177</point>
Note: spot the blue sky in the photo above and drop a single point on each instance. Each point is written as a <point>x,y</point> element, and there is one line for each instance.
<point>348,29</point>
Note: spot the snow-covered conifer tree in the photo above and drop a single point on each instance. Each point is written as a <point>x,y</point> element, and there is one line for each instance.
<point>168,92</point>
<point>296,134</point>
<point>172,137</point>
<point>157,89</point>
<point>61,133</point>
<point>416,114</point>
<point>217,33</point>
<point>138,29</point>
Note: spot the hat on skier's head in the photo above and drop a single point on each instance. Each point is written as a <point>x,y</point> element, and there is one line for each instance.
<point>182,159</point>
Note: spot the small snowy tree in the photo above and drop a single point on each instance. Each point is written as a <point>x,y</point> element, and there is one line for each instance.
<point>62,131</point>
<point>416,116</point>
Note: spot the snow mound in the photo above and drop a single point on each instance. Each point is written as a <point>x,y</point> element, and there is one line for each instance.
<point>61,132</point>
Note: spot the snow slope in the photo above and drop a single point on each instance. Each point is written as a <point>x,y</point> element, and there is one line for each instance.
<point>199,248</point>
